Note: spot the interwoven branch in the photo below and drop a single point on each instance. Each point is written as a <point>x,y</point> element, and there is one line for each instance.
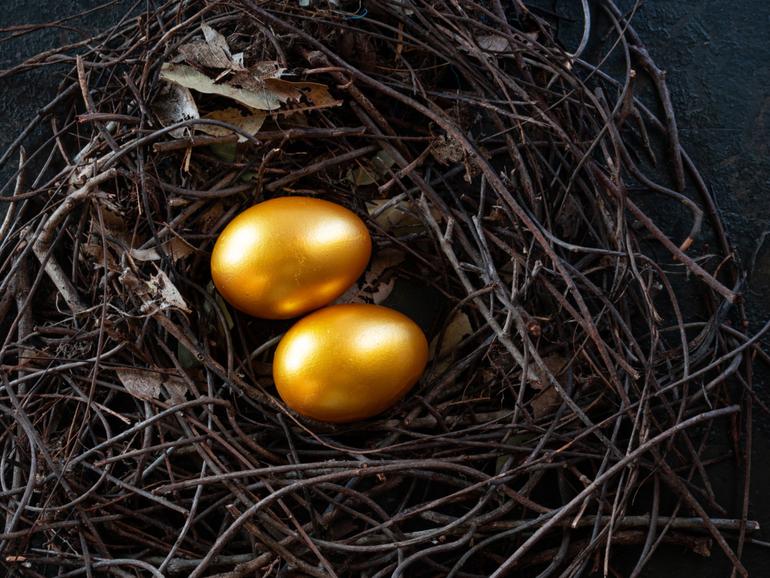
<point>584,304</point>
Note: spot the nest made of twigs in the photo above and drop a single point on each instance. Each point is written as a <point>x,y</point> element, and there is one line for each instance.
<point>580,352</point>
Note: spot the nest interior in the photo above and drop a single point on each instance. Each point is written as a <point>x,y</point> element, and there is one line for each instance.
<point>531,207</point>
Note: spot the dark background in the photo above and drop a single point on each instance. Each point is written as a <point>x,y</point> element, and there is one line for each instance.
<point>716,55</point>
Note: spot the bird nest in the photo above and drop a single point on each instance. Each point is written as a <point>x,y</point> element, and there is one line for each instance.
<point>528,209</point>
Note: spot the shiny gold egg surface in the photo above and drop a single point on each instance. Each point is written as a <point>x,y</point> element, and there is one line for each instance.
<point>349,362</point>
<point>287,256</point>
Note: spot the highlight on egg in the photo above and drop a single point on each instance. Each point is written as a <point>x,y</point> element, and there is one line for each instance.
<point>349,362</point>
<point>290,255</point>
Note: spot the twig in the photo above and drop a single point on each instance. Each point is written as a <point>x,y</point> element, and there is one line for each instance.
<point>43,243</point>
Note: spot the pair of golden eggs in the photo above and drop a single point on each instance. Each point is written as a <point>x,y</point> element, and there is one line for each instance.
<point>287,256</point>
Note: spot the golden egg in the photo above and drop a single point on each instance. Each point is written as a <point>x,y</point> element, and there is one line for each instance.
<point>290,255</point>
<point>349,362</point>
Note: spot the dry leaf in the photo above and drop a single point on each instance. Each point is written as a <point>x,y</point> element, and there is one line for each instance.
<point>545,402</point>
<point>376,169</point>
<point>145,254</point>
<point>267,69</point>
<point>315,93</point>
<point>174,104</point>
<point>456,330</point>
<point>189,77</point>
<point>211,216</point>
<point>556,364</point>
<point>213,53</point>
<point>378,281</point>
<point>493,43</point>
<point>170,295</point>
<point>217,42</point>
<point>141,384</point>
<point>569,218</point>
<point>534,35</point>
<point>548,399</point>
<point>95,252</point>
<point>381,278</point>
<point>361,176</point>
<point>200,54</point>
<point>132,283</point>
<point>390,216</point>
<point>249,123</point>
<point>400,217</point>
<point>259,94</point>
<point>176,248</point>
<point>447,151</point>
<point>146,385</point>
<point>164,294</point>
<point>113,216</point>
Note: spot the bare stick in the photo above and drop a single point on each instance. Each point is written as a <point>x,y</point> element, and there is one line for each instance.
<point>42,244</point>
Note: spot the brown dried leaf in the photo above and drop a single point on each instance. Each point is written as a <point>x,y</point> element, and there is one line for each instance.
<point>147,385</point>
<point>568,218</point>
<point>267,69</point>
<point>95,252</point>
<point>456,330</point>
<point>383,213</point>
<point>316,94</point>
<point>545,402</point>
<point>399,218</point>
<point>493,43</point>
<point>176,248</point>
<point>548,399</point>
<point>211,216</point>
<point>200,54</point>
<point>447,151</point>
<point>173,104</point>
<point>393,217</point>
<point>361,176</point>
<point>373,170</point>
<point>217,42</point>
<point>189,77</point>
<point>150,254</point>
<point>164,294</point>
<point>113,216</point>
<point>140,383</point>
<point>133,284</point>
<point>213,53</point>
<point>176,387</point>
<point>556,364</point>
<point>249,123</point>
<point>244,87</point>
<point>157,293</point>
<point>379,280</point>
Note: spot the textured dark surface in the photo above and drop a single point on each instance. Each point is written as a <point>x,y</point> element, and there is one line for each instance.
<point>715,53</point>
<point>23,95</point>
<point>720,83</point>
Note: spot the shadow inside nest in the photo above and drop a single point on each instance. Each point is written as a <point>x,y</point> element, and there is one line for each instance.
<point>582,353</point>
